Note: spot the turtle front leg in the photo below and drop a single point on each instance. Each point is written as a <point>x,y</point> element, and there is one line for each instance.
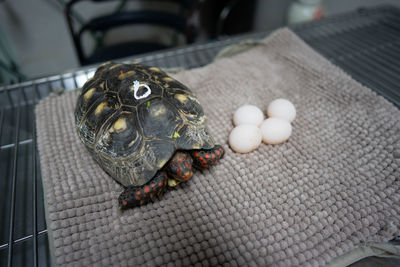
<point>205,158</point>
<point>134,196</point>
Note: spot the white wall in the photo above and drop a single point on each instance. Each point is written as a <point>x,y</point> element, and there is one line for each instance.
<point>38,33</point>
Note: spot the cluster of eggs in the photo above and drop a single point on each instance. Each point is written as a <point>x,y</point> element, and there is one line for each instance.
<point>251,128</point>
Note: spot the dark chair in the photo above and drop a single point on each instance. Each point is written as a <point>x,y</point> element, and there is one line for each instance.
<point>99,25</point>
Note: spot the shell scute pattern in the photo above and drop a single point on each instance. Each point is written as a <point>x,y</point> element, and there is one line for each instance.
<point>120,136</point>
<point>127,96</point>
<point>133,118</point>
<point>102,109</point>
<point>159,119</point>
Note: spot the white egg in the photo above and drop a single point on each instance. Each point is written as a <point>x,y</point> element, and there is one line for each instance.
<point>245,138</point>
<point>248,114</point>
<point>275,130</point>
<point>281,108</point>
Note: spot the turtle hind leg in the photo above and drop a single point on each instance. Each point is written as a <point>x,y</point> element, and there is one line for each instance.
<point>205,158</point>
<point>134,196</point>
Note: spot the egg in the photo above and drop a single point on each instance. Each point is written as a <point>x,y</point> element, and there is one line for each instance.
<point>245,138</point>
<point>281,108</point>
<point>275,131</point>
<point>248,114</point>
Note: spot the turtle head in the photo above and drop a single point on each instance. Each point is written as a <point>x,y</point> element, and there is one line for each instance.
<point>179,168</point>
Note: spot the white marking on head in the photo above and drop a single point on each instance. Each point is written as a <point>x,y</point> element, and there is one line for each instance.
<point>136,86</point>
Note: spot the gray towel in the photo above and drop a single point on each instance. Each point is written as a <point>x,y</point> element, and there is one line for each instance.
<point>333,185</point>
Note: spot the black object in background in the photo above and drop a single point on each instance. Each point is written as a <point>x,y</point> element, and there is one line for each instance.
<point>227,17</point>
<point>151,15</point>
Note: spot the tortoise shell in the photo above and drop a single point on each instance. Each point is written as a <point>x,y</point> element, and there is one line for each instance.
<point>132,118</point>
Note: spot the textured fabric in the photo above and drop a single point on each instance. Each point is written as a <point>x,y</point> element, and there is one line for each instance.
<point>379,251</point>
<point>333,185</point>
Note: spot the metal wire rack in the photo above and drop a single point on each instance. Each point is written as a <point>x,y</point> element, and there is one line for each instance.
<point>364,43</point>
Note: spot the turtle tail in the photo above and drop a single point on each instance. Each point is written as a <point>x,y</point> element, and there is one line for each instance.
<point>134,196</point>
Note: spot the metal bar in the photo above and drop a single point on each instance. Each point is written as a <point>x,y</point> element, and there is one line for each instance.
<point>373,39</point>
<point>37,93</point>
<point>74,77</point>
<point>23,142</point>
<point>371,82</point>
<point>1,121</point>
<point>383,59</point>
<point>62,83</point>
<point>19,240</point>
<point>396,48</point>
<point>23,101</point>
<point>34,188</point>
<point>373,48</point>
<point>321,34</point>
<point>336,44</point>
<point>34,204</point>
<point>391,23</point>
<point>387,77</point>
<point>391,56</point>
<point>49,88</point>
<point>14,181</point>
<point>350,46</point>
<point>384,74</point>
<point>376,52</point>
<point>352,41</point>
<point>172,60</point>
<point>388,72</point>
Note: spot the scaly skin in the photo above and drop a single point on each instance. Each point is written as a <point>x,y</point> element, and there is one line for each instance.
<point>203,159</point>
<point>178,168</point>
<point>134,196</point>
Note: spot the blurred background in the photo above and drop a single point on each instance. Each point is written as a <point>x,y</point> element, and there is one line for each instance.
<point>45,37</point>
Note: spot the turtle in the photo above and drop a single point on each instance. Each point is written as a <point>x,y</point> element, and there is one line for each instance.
<point>144,128</point>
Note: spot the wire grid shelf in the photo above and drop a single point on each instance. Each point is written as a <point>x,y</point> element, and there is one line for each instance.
<point>363,43</point>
